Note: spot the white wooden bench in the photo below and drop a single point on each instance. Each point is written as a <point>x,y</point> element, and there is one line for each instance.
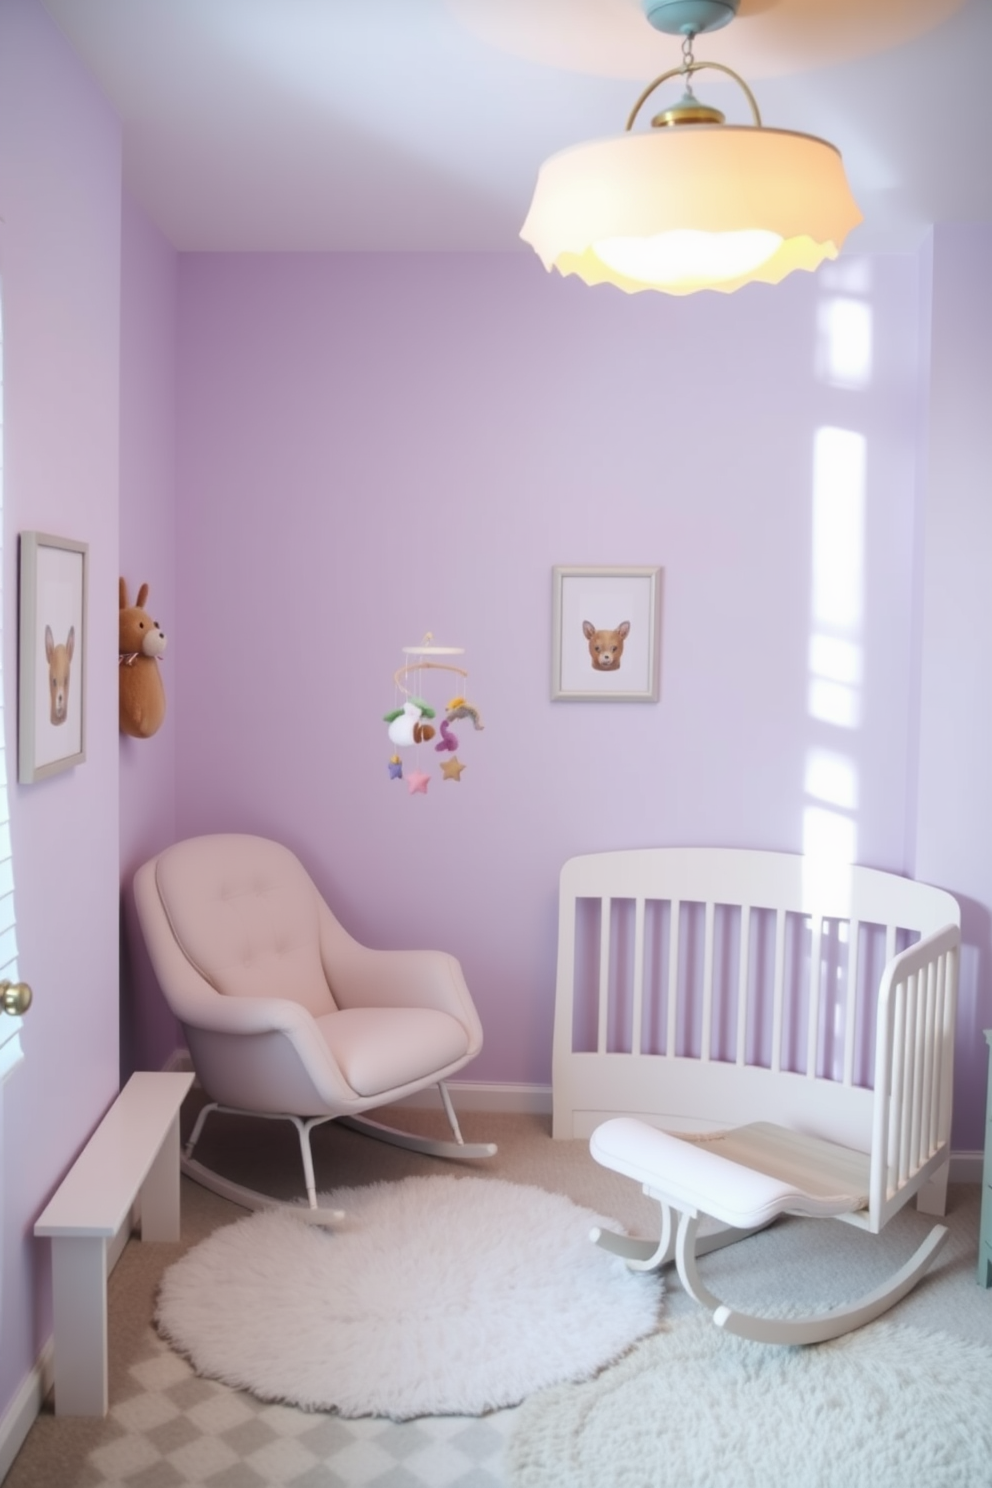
<point>133,1154</point>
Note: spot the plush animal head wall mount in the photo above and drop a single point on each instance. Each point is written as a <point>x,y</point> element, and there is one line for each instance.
<point>142,642</point>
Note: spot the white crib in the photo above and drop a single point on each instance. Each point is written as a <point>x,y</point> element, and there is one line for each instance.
<point>700,988</point>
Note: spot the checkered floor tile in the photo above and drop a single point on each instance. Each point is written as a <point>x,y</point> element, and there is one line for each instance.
<point>175,1429</point>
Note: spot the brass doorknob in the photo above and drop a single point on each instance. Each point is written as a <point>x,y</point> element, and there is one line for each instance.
<point>15,997</point>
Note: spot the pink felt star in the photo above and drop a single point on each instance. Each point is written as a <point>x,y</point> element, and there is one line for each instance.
<point>417,781</point>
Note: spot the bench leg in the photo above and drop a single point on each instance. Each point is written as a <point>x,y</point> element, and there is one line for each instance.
<point>160,1190</point>
<point>79,1300</point>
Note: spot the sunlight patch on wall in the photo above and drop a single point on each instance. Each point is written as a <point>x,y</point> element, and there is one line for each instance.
<point>834,681</point>
<point>844,343</point>
<point>836,659</point>
<point>836,662</point>
<point>832,778</point>
<point>838,577</point>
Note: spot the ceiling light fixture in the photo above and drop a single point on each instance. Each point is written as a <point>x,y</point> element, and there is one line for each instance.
<point>695,203</point>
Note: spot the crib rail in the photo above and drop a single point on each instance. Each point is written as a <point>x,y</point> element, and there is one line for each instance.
<point>917,1010</point>
<point>702,987</point>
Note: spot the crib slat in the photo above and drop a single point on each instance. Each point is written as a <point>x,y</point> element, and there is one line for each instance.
<point>932,1064</point>
<point>779,986</point>
<point>815,978</point>
<point>944,974</point>
<point>851,1010</point>
<point>919,1050</point>
<point>914,1055</point>
<point>947,1023</point>
<point>605,925</point>
<point>920,1134</point>
<point>946,1015</point>
<point>929,1034</point>
<point>908,1054</point>
<point>744,967</point>
<point>894,1097</point>
<point>637,1003</point>
<point>673,977</point>
<point>900,1047</point>
<point>707,1028</point>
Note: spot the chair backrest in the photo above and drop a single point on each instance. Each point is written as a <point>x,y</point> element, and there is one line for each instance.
<point>245,913</point>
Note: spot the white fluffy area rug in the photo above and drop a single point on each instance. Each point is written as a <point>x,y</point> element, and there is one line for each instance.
<point>435,1296</point>
<point>887,1406</point>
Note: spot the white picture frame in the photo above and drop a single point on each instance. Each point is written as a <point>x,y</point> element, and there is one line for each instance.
<point>51,733</point>
<point>596,613</point>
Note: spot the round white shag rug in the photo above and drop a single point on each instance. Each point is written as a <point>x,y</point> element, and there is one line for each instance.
<point>692,1407</point>
<point>434,1296</point>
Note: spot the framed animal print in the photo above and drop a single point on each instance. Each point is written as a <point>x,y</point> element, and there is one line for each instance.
<point>606,634</point>
<point>51,732</point>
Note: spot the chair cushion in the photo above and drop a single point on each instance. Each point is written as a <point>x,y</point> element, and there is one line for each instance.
<point>245,912</point>
<point>696,1179</point>
<point>381,1049</point>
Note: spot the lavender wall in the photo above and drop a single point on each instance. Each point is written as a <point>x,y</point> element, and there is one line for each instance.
<point>955,784</point>
<point>373,447</point>
<point>149,1033</point>
<point>60,200</point>
<point>376,446</point>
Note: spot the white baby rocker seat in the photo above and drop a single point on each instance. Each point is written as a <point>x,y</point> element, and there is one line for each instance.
<point>285,1015</point>
<point>745,1178</point>
<point>677,971</point>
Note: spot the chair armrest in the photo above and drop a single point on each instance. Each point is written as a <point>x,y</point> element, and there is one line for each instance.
<point>360,977</point>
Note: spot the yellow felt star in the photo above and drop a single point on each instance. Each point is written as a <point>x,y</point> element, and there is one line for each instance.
<point>452,768</point>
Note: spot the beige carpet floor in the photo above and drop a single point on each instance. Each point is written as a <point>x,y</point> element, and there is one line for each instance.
<point>166,1428</point>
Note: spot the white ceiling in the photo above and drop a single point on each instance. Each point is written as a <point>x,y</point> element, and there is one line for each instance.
<point>420,124</point>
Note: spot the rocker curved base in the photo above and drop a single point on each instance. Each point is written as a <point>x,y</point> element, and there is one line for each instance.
<point>431,1146</point>
<point>818,1327</point>
<point>651,1255</point>
<point>249,1198</point>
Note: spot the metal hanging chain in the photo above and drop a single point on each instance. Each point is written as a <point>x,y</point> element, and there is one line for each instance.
<point>689,60</point>
<point>686,70</point>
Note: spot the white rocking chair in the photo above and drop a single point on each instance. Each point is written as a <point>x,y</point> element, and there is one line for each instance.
<point>746,1178</point>
<point>285,1015</point>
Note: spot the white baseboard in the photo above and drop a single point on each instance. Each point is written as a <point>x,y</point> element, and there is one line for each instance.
<point>966,1167</point>
<point>477,1095</point>
<point>536,1100</point>
<point>23,1410</point>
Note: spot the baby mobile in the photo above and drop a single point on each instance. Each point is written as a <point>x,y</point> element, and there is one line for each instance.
<point>429,727</point>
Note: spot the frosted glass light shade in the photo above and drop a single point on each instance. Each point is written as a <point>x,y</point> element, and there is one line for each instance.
<point>685,254</point>
<point>705,178</point>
